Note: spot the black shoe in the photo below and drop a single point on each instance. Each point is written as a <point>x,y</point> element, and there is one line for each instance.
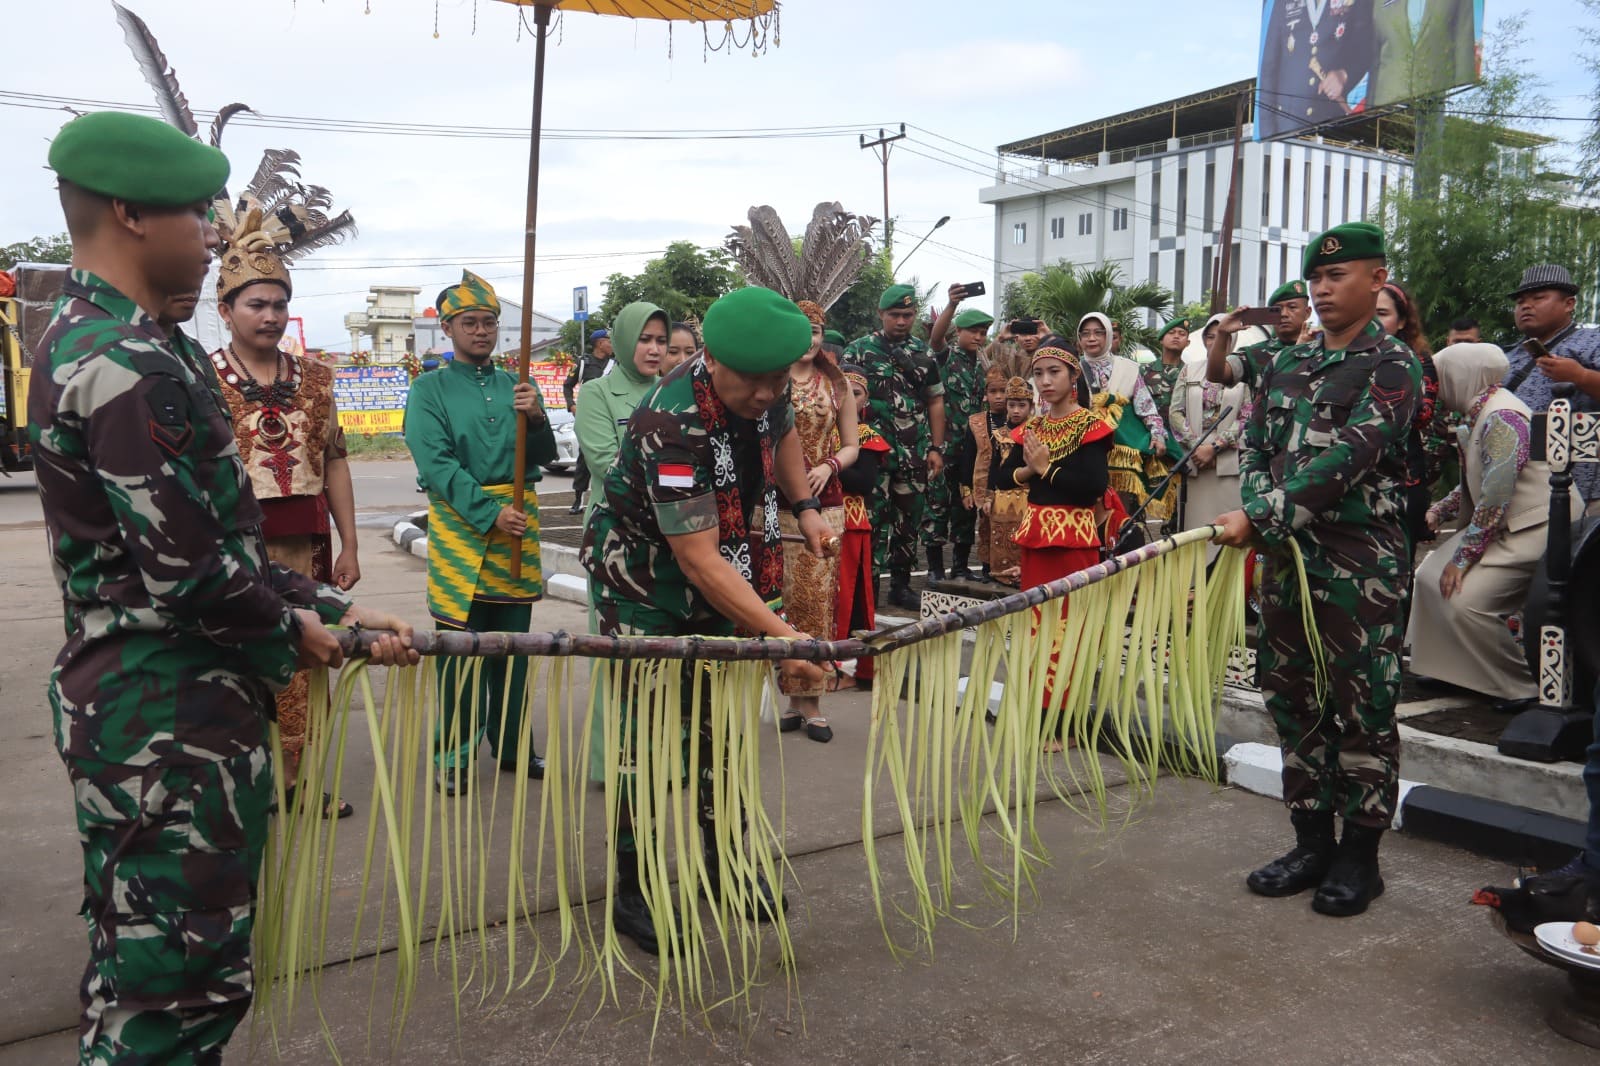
<point>535,766</point>
<point>984,577</point>
<point>1514,706</point>
<point>1306,865</point>
<point>577,506</point>
<point>452,782</point>
<point>900,594</point>
<point>959,554</point>
<point>936,562</point>
<point>1353,880</point>
<point>630,916</point>
<point>329,808</point>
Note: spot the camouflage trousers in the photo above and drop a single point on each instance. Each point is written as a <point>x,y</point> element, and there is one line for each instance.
<point>171,858</point>
<point>1341,753</point>
<point>630,619</point>
<point>896,511</point>
<point>944,520</point>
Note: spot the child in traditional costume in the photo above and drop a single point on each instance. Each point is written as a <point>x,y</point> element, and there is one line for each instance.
<point>1008,501</point>
<point>856,610</point>
<point>975,453</point>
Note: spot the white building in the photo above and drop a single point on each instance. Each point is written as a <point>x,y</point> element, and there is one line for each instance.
<point>1145,190</point>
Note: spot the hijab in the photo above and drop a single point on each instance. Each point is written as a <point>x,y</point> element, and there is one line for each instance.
<point>630,322</point>
<point>1466,371</point>
<point>1105,323</point>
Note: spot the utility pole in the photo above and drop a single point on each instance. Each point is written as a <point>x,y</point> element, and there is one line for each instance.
<point>880,148</point>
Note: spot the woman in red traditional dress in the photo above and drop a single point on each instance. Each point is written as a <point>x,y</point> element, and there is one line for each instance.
<point>1063,463</point>
<point>856,610</point>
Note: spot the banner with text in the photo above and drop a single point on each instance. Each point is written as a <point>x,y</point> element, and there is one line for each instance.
<point>371,399</point>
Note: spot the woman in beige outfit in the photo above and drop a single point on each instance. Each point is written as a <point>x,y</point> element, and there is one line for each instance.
<point>1472,583</point>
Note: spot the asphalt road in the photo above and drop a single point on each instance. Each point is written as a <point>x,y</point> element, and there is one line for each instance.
<point>386,489</point>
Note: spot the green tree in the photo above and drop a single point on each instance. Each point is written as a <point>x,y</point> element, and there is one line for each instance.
<point>56,249</point>
<point>1462,245</point>
<point>1063,294</point>
<point>683,282</point>
<point>1589,56</point>
<point>568,339</point>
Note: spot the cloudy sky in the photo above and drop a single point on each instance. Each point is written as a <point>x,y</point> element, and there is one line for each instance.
<point>963,77</point>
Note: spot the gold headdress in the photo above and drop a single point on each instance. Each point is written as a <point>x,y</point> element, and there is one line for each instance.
<point>1019,389</point>
<point>275,221</point>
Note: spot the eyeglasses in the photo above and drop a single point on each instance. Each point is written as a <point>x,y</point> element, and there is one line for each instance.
<point>473,325</point>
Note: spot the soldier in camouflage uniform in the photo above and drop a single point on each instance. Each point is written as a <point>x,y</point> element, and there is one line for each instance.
<point>178,629</point>
<point>684,537</point>
<point>961,374</point>
<point>906,403</point>
<point>1323,466</point>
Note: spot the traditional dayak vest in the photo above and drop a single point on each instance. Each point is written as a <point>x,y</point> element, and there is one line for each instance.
<point>1530,497</point>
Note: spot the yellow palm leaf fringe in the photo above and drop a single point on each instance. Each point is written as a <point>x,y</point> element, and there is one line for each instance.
<point>1124,658</point>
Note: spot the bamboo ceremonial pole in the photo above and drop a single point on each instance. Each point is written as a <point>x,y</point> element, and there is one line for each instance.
<point>597,646</point>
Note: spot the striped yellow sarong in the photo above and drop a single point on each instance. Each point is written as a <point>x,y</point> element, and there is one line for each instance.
<point>465,565</point>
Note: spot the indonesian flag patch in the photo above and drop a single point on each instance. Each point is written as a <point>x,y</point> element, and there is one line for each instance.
<point>675,476</point>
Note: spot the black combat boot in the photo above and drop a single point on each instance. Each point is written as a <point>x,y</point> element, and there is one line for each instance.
<point>630,914</point>
<point>959,554</point>
<point>759,904</point>
<point>936,562</point>
<point>1306,865</point>
<point>984,576</point>
<point>1353,881</point>
<point>900,594</point>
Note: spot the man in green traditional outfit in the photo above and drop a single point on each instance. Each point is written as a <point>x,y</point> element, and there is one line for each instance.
<point>946,520</point>
<point>684,539</point>
<point>1161,378</point>
<point>461,424</point>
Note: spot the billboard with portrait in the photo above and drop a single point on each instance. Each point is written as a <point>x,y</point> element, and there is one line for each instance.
<point>1323,60</point>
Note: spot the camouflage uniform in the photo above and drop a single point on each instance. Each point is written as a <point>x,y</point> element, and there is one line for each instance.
<point>1162,380</point>
<point>945,520</point>
<point>1324,463</point>
<point>179,631</point>
<point>901,380</point>
<point>663,483</point>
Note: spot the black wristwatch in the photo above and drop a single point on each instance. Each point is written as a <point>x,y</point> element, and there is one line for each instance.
<point>936,448</point>
<point>810,503</point>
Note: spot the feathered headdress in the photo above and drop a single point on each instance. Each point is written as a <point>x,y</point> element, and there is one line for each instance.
<point>1002,361</point>
<point>831,257</point>
<point>277,219</point>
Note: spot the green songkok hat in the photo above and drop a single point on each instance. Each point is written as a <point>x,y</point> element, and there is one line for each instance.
<point>972,318</point>
<point>138,159</point>
<point>833,336</point>
<point>1181,322</point>
<point>756,331</point>
<point>897,297</point>
<point>473,294</point>
<point>1341,244</point>
<point>1293,290</point>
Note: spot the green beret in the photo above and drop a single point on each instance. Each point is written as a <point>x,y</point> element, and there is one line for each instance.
<point>1181,322</point>
<point>138,159</point>
<point>972,318</point>
<point>833,336</point>
<point>1341,244</point>
<point>756,331</point>
<point>1293,290</point>
<point>897,296</point>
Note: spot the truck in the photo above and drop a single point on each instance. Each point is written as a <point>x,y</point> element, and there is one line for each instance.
<point>24,313</point>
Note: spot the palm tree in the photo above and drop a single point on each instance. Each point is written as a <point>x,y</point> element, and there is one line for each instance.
<point>1063,294</point>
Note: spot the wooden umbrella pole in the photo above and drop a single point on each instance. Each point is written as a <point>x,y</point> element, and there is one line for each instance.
<point>596,646</point>
<point>541,30</point>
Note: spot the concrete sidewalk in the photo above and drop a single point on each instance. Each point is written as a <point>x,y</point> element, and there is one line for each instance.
<point>1144,946</point>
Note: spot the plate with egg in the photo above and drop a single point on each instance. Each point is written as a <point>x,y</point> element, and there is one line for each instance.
<point>1577,942</point>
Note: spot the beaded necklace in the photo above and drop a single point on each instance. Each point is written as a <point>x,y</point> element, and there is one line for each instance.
<point>275,400</point>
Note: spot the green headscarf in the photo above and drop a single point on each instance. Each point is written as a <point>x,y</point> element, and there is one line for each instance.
<point>630,322</point>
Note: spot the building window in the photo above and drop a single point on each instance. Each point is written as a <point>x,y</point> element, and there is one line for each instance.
<point>1365,192</point>
<point>1344,202</point>
<point>1019,233</point>
<point>1155,205</point>
<point>1305,198</point>
<point>1119,218</point>
<point>1285,198</point>
<point>1085,225</point>
<point>1327,195</point>
<point>1058,227</point>
<point>1183,200</point>
<point>1207,282</point>
<point>1177,277</point>
<point>1155,267</point>
<point>1283,264</point>
<point>1266,188</point>
<point>1211,194</point>
<point>1261,277</point>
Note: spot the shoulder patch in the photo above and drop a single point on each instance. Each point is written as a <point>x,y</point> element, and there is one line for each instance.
<point>1390,382</point>
<point>170,418</point>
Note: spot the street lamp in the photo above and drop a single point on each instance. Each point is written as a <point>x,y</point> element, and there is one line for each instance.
<point>920,243</point>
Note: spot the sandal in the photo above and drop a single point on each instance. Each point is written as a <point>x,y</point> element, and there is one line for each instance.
<point>329,810</point>
<point>790,720</point>
<point>818,729</point>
